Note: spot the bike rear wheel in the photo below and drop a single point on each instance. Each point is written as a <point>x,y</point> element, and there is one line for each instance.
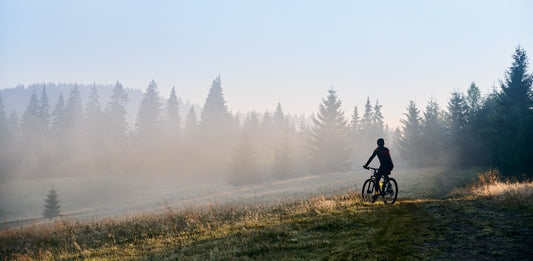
<point>391,191</point>
<point>368,190</point>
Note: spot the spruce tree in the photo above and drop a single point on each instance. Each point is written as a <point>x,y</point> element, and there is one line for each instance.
<point>215,120</point>
<point>514,132</point>
<point>149,116</point>
<point>410,141</point>
<point>474,100</point>
<point>93,111</point>
<point>329,144</point>
<point>191,124</point>
<point>115,116</point>
<point>378,125</point>
<point>74,112</point>
<point>366,120</point>
<point>94,125</point>
<point>279,119</point>
<point>30,119</point>
<point>434,135</point>
<point>52,208</point>
<point>57,124</point>
<point>44,111</point>
<point>355,124</point>
<point>172,113</point>
<point>457,123</point>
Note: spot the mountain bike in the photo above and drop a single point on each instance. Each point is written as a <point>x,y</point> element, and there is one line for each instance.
<point>388,188</point>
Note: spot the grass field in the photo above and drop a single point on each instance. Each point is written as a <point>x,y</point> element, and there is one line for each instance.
<point>490,219</point>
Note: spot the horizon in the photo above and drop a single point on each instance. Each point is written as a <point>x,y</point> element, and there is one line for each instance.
<point>269,52</point>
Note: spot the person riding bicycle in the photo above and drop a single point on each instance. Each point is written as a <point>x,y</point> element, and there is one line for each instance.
<point>385,163</point>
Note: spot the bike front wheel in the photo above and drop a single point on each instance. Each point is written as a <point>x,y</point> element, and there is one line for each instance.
<point>368,190</point>
<point>391,191</point>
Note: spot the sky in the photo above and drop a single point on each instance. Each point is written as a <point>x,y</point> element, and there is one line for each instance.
<point>267,52</point>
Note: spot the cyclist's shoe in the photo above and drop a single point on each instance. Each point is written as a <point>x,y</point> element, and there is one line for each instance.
<point>374,198</point>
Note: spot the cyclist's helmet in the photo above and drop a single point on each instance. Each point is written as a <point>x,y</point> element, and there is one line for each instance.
<point>381,142</point>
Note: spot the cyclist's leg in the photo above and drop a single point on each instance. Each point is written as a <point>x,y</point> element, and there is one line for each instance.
<point>378,178</point>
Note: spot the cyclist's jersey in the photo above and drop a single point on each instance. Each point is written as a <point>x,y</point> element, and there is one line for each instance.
<point>385,160</point>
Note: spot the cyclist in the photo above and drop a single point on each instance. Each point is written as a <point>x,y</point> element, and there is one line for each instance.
<point>385,163</point>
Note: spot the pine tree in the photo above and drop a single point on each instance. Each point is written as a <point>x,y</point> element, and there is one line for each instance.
<point>378,126</point>
<point>215,120</point>
<point>94,125</point>
<point>74,112</point>
<point>93,110</point>
<point>474,100</point>
<point>355,124</point>
<point>329,144</point>
<point>44,111</point>
<point>172,113</point>
<point>457,121</point>
<point>434,135</point>
<point>366,120</point>
<point>457,116</point>
<point>30,120</point>
<point>513,132</point>
<point>57,124</point>
<point>410,141</point>
<point>516,88</point>
<point>149,116</point>
<point>52,208</point>
<point>279,119</point>
<point>115,116</point>
<point>191,124</point>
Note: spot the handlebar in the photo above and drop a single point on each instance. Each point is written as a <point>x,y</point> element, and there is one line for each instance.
<point>371,168</point>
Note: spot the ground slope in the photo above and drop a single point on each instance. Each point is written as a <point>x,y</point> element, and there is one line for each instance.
<point>321,228</point>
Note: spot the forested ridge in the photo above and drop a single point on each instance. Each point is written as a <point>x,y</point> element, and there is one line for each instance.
<point>74,136</point>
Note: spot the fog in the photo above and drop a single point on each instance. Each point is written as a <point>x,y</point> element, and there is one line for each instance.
<point>104,165</point>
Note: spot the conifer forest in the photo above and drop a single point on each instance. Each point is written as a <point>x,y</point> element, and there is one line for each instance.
<point>75,137</point>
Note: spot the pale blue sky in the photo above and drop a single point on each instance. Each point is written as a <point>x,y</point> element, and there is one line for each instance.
<point>268,51</point>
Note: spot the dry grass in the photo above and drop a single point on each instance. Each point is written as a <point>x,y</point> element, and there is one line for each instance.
<point>111,237</point>
<point>335,227</point>
<point>491,184</point>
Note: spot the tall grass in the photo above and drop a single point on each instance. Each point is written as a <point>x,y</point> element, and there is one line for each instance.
<point>493,185</point>
<point>73,239</point>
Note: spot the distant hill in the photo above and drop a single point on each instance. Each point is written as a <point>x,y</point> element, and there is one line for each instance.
<point>18,98</point>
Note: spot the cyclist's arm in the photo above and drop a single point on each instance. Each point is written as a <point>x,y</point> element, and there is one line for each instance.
<point>372,157</point>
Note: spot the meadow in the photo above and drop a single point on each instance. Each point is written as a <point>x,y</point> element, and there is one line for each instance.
<point>468,217</point>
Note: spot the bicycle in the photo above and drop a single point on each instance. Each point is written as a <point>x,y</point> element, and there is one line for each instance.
<point>388,189</point>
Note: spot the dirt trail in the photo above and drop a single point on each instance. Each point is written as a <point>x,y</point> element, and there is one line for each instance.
<point>474,229</point>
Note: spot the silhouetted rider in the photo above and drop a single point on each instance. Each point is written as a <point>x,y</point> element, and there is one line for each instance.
<point>385,161</point>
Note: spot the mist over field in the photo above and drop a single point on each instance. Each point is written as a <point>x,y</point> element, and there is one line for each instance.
<point>103,164</point>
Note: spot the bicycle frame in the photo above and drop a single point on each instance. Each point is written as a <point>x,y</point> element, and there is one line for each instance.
<point>373,176</point>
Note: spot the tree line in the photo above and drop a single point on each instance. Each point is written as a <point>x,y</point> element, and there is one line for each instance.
<point>72,138</point>
<point>495,130</point>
